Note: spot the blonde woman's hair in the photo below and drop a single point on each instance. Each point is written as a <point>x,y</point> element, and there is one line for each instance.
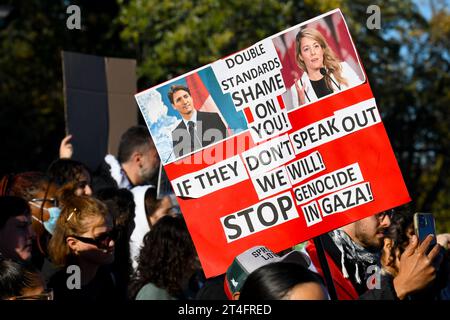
<point>76,214</point>
<point>330,60</point>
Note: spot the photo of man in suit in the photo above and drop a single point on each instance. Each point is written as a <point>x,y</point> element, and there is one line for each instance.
<point>196,129</point>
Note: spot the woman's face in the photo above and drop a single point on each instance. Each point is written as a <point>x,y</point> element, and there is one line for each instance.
<point>16,238</point>
<point>311,53</point>
<point>163,209</point>
<point>92,253</point>
<point>83,187</point>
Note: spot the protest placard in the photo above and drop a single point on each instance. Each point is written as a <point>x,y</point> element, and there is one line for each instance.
<point>275,144</point>
<point>99,104</point>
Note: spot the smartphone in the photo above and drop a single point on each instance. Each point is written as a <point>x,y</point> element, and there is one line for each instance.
<point>423,226</point>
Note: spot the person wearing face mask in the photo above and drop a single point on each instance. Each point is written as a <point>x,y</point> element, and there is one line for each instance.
<point>53,213</point>
<point>16,233</point>
<point>42,197</point>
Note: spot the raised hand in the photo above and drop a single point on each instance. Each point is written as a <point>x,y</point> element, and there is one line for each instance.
<point>66,148</point>
<point>300,93</point>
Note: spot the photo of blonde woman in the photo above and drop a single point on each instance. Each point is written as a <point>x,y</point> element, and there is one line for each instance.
<point>324,73</point>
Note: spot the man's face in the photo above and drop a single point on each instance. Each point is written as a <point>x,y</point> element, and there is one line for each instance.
<point>370,231</point>
<point>149,165</point>
<point>16,238</point>
<point>182,102</point>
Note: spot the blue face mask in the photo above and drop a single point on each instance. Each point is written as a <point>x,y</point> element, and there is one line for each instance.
<point>50,224</point>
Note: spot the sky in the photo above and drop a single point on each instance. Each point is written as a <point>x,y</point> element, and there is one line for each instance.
<point>425,7</point>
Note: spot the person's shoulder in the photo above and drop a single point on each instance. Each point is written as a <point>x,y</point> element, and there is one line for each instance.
<point>180,125</point>
<point>213,289</point>
<point>58,282</point>
<point>49,269</point>
<point>152,292</point>
<point>58,277</point>
<point>148,288</point>
<point>204,114</point>
<point>209,118</point>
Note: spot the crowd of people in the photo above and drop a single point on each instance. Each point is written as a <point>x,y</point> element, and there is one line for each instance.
<point>73,234</point>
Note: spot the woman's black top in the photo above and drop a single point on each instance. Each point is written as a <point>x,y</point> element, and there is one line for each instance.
<point>320,88</point>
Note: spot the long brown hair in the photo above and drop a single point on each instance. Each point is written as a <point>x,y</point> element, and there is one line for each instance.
<point>330,60</point>
<point>75,216</point>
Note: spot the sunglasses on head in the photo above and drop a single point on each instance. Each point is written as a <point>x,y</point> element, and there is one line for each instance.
<point>102,241</point>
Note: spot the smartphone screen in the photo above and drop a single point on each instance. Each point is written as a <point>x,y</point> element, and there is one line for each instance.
<point>424,225</point>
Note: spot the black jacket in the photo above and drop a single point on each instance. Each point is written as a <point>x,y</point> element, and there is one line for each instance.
<point>205,122</point>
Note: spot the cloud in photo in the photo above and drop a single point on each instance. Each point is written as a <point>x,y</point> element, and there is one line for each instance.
<point>160,123</point>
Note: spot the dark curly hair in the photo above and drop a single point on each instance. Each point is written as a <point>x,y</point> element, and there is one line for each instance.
<point>401,222</point>
<point>63,171</point>
<point>166,258</point>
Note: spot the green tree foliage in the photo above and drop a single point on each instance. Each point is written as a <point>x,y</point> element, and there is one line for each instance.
<point>173,37</point>
<point>407,62</point>
<point>31,90</point>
